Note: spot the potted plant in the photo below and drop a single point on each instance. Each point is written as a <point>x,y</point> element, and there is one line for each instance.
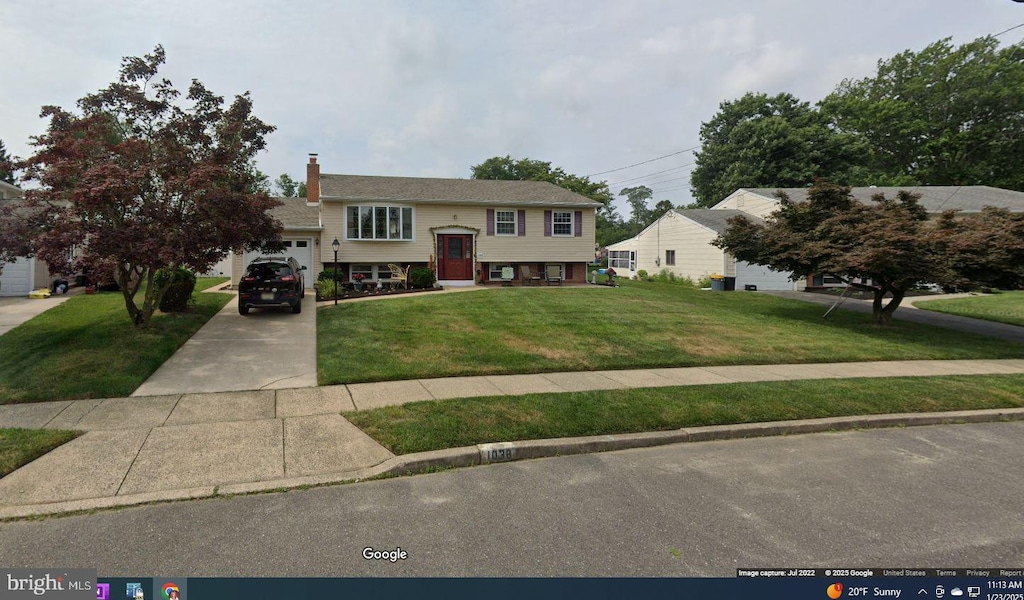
<point>357,281</point>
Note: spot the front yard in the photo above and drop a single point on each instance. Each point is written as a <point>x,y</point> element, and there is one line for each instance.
<point>1003,307</point>
<point>524,330</point>
<point>88,348</point>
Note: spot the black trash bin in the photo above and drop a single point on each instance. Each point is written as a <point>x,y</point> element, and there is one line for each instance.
<point>730,284</point>
<point>717,285</point>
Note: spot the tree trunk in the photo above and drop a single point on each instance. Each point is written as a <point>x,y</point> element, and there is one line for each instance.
<point>883,314</point>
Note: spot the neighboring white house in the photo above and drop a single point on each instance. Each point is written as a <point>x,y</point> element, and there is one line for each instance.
<point>680,242</point>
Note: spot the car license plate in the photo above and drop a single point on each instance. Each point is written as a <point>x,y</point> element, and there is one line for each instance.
<point>267,296</point>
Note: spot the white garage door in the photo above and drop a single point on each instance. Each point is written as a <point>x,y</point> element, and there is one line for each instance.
<point>16,279</point>
<point>301,249</point>
<point>763,277</point>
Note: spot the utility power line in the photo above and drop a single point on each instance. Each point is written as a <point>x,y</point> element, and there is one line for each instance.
<point>643,162</point>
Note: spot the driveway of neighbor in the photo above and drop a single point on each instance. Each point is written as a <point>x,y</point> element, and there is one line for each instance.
<point>15,311</point>
<point>908,312</point>
<point>267,349</point>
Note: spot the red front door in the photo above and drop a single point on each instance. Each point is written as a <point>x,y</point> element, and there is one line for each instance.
<point>455,254</point>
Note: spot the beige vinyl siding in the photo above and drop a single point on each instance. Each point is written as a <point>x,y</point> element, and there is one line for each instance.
<point>748,202</point>
<point>695,256</point>
<point>534,246</point>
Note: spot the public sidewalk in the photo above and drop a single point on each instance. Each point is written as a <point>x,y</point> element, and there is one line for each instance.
<point>156,448</point>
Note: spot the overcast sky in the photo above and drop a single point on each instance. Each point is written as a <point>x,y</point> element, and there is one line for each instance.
<point>430,88</point>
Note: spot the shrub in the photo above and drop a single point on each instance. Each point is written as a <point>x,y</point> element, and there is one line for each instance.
<point>421,277</point>
<point>327,289</point>
<point>178,296</point>
<point>641,274</point>
<point>331,275</point>
<point>704,281</point>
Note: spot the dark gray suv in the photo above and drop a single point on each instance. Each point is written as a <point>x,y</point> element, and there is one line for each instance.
<point>272,282</point>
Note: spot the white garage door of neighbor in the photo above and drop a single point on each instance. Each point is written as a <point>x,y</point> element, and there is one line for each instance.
<point>763,277</point>
<point>300,249</point>
<point>16,278</point>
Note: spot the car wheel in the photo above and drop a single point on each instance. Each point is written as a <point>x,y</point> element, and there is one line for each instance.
<point>243,310</point>
<point>298,307</point>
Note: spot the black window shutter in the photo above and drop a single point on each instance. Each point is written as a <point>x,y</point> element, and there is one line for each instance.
<point>522,223</point>
<point>547,223</point>
<point>578,223</point>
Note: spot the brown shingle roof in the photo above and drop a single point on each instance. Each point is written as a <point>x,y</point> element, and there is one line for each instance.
<point>716,220</point>
<point>934,198</point>
<point>295,213</point>
<point>449,191</point>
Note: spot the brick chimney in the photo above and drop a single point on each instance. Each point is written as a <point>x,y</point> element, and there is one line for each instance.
<point>312,181</point>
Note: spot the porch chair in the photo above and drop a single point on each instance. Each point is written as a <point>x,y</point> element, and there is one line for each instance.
<point>554,273</point>
<point>400,275</point>
<point>528,276</point>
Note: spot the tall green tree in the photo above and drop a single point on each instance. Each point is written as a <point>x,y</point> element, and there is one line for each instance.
<point>942,116</point>
<point>637,197</point>
<point>139,179</point>
<point>769,141</point>
<point>286,186</point>
<point>6,165</point>
<point>526,169</point>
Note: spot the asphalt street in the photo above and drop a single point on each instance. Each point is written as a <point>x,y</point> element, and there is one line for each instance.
<point>940,496</point>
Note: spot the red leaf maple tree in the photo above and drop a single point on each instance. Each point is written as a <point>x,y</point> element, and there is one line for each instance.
<point>140,179</point>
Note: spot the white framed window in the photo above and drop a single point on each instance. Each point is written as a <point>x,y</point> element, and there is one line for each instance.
<point>379,223</point>
<point>619,259</point>
<point>670,258</point>
<point>505,222</point>
<point>494,271</point>
<point>561,222</point>
<point>370,272</point>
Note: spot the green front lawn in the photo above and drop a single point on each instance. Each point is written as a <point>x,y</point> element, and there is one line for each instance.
<point>424,426</point>
<point>1004,307</point>
<point>530,330</point>
<point>21,446</point>
<point>88,348</point>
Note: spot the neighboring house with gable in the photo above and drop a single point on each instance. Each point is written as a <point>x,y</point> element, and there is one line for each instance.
<point>467,230</point>
<point>680,240</point>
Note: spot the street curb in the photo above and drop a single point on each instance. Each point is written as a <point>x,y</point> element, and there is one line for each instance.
<point>499,452</point>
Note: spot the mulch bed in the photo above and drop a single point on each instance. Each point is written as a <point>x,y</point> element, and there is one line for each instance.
<point>374,292</point>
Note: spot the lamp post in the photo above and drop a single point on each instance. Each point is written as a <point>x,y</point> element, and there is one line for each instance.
<point>335,244</point>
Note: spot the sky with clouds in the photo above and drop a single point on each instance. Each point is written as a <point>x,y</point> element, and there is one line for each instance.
<point>429,88</point>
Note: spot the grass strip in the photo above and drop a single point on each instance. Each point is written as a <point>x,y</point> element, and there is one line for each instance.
<point>1003,307</point>
<point>21,446</point>
<point>87,347</point>
<point>423,426</point>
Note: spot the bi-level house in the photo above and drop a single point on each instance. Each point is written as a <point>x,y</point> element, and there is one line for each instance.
<point>467,230</point>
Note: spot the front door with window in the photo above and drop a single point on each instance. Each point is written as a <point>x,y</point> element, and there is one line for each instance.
<point>455,257</point>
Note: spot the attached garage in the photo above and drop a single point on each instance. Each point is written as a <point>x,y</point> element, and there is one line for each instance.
<point>301,249</point>
<point>762,277</point>
<point>16,279</point>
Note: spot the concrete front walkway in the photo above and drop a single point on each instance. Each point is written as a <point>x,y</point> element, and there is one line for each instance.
<point>266,349</point>
<point>176,446</point>
<point>15,311</point>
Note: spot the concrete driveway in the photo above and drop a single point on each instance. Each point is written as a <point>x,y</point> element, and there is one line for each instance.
<point>267,349</point>
<point>15,311</point>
